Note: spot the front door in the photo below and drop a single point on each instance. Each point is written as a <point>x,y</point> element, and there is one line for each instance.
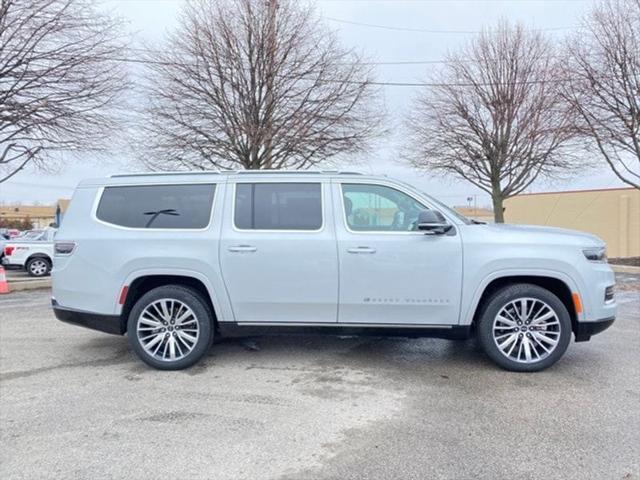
<point>278,252</point>
<point>390,273</point>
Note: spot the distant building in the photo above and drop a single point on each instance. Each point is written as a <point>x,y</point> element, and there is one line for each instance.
<point>40,215</point>
<point>611,214</point>
<point>476,213</point>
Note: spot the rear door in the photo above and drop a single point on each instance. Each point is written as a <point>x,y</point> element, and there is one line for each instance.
<point>278,252</point>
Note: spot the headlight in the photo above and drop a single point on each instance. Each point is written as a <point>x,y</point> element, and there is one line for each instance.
<point>598,254</point>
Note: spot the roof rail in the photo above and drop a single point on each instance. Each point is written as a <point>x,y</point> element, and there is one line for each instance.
<point>240,172</point>
<point>151,174</point>
<point>273,172</point>
<point>292,172</point>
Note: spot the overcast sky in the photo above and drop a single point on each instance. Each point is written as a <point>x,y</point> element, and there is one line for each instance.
<point>149,20</point>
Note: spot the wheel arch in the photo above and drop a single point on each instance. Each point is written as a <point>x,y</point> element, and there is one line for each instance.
<point>142,284</point>
<point>556,285</point>
<point>39,255</point>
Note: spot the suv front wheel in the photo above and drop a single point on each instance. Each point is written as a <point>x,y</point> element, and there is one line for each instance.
<point>170,327</point>
<point>524,328</point>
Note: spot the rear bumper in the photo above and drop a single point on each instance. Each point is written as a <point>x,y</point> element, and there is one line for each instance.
<point>584,330</point>
<point>95,321</point>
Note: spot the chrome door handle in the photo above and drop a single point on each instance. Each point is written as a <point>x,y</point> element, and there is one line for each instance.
<point>361,250</point>
<point>243,249</point>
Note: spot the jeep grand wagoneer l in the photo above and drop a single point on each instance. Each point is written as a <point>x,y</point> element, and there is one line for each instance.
<point>174,259</point>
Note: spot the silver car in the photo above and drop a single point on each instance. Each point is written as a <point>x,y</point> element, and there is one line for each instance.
<point>175,259</point>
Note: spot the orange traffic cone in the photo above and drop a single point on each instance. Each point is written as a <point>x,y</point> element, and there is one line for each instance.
<point>4,286</point>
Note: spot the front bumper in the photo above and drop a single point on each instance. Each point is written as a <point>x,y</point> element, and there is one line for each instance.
<point>584,330</point>
<point>95,321</point>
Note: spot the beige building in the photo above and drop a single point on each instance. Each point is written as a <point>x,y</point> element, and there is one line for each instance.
<point>40,215</point>
<point>476,213</point>
<point>611,214</point>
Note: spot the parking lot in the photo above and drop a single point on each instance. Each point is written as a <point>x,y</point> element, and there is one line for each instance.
<point>14,274</point>
<point>76,404</point>
<point>20,280</point>
<point>18,274</point>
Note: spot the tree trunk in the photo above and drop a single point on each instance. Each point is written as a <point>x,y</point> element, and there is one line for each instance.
<point>498,209</point>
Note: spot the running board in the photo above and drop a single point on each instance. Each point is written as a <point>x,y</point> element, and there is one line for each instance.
<point>250,329</point>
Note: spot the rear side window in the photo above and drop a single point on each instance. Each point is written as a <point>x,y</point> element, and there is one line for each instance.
<point>278,206</point>
<point>157,206</point>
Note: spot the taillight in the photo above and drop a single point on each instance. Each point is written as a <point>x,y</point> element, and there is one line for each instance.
<point>9,250</point>
<point>63,248</point>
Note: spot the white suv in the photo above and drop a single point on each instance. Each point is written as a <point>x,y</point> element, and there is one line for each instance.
<point>174,259</point>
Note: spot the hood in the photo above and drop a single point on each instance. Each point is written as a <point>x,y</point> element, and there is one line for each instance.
<point>563,234</point>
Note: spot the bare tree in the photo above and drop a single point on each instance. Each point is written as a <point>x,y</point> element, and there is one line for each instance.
<point>255,85</point>
<point>493,116</point>
<point>603,64</point>
<point>57,80</point>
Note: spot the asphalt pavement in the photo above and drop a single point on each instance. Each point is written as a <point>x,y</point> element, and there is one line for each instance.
<point>77,404</point>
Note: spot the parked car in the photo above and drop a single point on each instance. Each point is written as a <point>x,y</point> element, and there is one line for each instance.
<point>4,236</point>
<point>176,259</point>
<point>33,251</point>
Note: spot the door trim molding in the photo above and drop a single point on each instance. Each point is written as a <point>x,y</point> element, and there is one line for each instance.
<point>340,324</point>
<point>252,329</point>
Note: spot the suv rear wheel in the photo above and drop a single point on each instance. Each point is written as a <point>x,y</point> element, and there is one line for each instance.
<point>38,267</point>
<point>170,327</point>
<point>524,328</point>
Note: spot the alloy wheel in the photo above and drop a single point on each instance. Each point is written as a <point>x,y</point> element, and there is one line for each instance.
<point>526,330</point>
<point>168,329</point>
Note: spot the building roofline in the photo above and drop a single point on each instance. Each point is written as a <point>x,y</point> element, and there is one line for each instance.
<point>575,191</point>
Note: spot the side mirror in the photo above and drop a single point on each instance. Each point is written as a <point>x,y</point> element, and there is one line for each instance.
<point>433,223</point>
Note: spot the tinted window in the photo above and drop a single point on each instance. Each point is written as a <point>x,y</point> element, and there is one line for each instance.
<point>278,206</point>
<point>378,208</point>
<point>157,206</point>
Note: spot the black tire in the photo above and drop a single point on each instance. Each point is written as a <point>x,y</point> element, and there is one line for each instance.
<point>503,297</point>
<point>38,267</point>
<point>198,306</point>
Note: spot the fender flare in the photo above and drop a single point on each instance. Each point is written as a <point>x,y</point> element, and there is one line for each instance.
<point>147,272</point>
<point>505,273</point>
<point>39,255</point>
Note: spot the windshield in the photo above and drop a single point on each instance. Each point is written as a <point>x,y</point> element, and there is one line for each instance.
<point>459,216</point>
<point>450,210</point>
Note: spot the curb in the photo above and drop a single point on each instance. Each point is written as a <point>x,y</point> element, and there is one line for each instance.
<point>18,286</point>
<point>625,269</point>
